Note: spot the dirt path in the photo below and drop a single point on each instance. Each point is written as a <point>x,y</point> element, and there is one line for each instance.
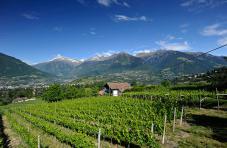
<point>14,141</point>
<point>4,138</point>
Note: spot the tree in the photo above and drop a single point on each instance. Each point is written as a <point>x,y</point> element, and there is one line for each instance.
<point>53,93</point>
<point>165,83</point>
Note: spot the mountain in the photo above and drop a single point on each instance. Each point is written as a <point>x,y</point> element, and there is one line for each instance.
<point>99,57</point>
<point>114,64</point>
<point>12,67</point>
<point>150,67</point>
<point>177,62</point>
<point>59,66</point>
<point>14,72</point>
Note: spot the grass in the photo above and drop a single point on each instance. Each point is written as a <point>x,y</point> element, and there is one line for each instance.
<point>203,128</point>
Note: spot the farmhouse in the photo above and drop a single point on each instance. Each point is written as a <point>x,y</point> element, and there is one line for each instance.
<point>23,99</point>
<point>114,89</point>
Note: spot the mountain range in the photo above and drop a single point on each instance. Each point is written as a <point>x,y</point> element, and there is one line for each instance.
<point>161,64</point>
<point>149,67</point>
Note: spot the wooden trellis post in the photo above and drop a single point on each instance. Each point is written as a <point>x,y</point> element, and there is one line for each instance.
<point>217,97</point>
<point>152,128</point>
<point>99,139</point>
<point>174,118</point>
<point>181,117</point>
<point>38,141</point>
<point>164,130</point>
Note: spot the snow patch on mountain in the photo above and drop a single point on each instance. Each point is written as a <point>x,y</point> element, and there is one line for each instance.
<point>102,56</point>
<point>62,58</point>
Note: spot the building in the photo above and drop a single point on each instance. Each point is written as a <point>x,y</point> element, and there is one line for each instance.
<point>114,89</point>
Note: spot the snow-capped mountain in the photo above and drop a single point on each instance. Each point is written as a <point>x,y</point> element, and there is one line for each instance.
<point>66,59</point>
<point>60,65</point>
<point>100,57</point>
<point>153,62</point>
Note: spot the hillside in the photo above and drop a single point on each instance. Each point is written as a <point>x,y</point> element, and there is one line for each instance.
<point>170,61</point>
<point>116,63</point>
<point>16,72</point>
<point>11,67</point>
<point>59,66</point>
<point>217,78</point>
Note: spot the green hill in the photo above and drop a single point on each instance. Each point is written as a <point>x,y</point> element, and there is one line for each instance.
<point>11,67</point>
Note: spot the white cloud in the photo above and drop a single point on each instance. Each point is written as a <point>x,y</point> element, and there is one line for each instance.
<point>124,18</point>
<point>108,3</point>
<point>92,33</point>
<point>170,37</point>
<point>81,1</point>
<point>125,4</point>
<point>184,30</point>
<point>203,3</point>
<point>177,46</point>
<point>184,27</point>
<point>214,30</point>
<point>188,3</point>
<point>57,29</point>
<point>30,16</point>
<point>222,41</point>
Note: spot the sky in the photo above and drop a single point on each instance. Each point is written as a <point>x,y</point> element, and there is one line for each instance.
<point>38,30</point>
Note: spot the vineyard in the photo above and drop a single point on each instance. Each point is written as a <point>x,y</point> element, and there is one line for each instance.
<point>134,120</point>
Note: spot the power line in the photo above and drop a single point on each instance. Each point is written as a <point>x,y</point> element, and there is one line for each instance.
<point>174,66</point>
<point>146,60</point>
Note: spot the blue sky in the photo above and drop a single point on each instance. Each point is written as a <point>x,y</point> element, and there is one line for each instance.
<point>38,30</point>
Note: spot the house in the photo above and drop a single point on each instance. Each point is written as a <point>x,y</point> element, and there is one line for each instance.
<point>22,99</point>
<point>114,89</point>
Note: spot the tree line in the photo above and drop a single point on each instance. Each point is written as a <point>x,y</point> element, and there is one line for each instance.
<point>57,92</point>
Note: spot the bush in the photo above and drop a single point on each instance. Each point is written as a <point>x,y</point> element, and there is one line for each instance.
<point>53,93</point>
<point>57,92</point>
<point>165,83</point>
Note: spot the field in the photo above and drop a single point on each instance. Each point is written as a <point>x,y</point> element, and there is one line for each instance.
<point>134,120</point>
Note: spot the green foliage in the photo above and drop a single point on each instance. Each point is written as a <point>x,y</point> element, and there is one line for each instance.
<point>177,95</point>
<point>8,95</point>
<point>165,83</point>
<point>53,93</point>
<point>218,78</point>
<point>122,120</point>
<point>125,119</point>
<point>74,139</point>
<point>58,92</point>
<point>140,88</point>
<point>22,130</point>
